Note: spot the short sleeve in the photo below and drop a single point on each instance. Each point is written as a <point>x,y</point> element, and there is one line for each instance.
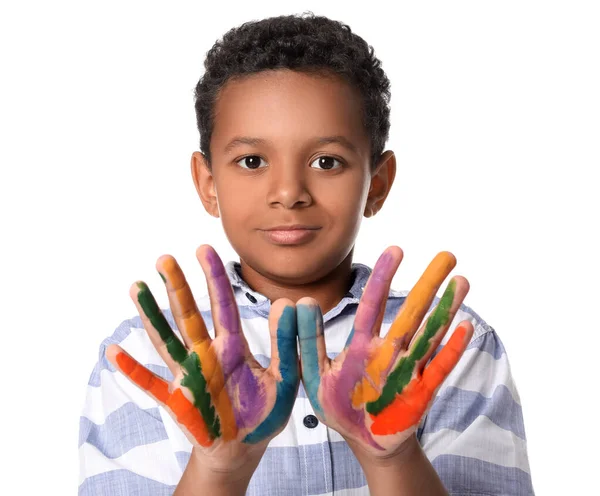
<point>124,444</point>
<point>474,433</point>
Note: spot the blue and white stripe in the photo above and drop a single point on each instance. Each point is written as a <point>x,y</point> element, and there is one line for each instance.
<point>473,435</point>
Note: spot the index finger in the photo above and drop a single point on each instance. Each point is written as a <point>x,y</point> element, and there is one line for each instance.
<point>371,308</point>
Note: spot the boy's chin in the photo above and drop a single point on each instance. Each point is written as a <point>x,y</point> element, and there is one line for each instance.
<point>291,268</point>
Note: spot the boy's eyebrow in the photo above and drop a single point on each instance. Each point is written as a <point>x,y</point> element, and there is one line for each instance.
<point>321,140</point>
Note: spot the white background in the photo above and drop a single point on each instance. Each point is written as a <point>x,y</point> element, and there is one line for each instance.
<point>495,125</point>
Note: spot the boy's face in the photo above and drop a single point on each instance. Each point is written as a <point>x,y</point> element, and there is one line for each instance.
<point>289,177</point>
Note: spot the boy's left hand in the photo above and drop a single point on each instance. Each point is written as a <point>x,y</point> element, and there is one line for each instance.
<point>375,392</point>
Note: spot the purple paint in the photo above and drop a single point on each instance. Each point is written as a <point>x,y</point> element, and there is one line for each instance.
<point>227,307</point>
<point>244,389</point>
<point>338,389</point>
<point>233,354</point>
<point>375,293</point>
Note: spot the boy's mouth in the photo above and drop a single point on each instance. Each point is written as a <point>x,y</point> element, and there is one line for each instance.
<point>290,234</point>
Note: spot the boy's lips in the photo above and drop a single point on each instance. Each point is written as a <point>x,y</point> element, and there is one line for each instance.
<point>290,234</point>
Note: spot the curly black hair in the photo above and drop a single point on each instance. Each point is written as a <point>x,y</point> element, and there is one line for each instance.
<point>305,43</point>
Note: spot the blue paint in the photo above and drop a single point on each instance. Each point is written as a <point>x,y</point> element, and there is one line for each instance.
<point>308,319</point>
<point>288,387</point>
<point>350,336</point>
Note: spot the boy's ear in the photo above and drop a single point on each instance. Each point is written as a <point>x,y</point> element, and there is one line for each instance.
<point>205,184</point>
<point>382,179</point>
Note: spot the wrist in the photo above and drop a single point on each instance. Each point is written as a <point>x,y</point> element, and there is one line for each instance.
<point>373,462</point>
<point>205,476</point>
<point>406,471</point>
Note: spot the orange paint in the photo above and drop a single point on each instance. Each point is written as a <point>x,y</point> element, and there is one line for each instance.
<point>141,376</point>
<point>411,314</point>
<point>186,413</point>
<point>192,324</point>
<point>215,384</point>
<point>189,416</point>
<point>182,299</point>
<point>408,408</point>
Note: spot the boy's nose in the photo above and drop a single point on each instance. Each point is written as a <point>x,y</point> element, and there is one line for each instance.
<point>288,188</point>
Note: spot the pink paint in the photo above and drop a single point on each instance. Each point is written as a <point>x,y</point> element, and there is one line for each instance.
<point>338,389</point>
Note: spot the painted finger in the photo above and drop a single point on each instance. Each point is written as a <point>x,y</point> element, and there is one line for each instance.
<point>422,347</point>
<point>145,379</point>
<point>369,316</point>
<point>313,354</point>
<point>185,311</point>
<point>371,309</point>
<point>167,344</point>
<point>427,339</point>
<point>193,329</point>
<point>184,412</point>
<point>243,386</point>
<point>190,363</point>
<point>442,364</point>
<point>411,314</point>
<point>224,308</point>
<point>283,366</point>
<point>407,409</point>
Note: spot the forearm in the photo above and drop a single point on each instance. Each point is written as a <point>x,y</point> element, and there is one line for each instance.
<point>198,479</point>
<point>408,472</point>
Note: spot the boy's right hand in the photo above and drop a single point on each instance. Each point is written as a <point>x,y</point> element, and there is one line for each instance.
<point>226,403</point>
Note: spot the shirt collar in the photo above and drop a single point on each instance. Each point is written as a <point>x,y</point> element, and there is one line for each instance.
<point>244,294</point>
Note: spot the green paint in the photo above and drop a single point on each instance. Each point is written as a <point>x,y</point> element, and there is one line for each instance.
<point>402,374</point>
<point>193,378</point>
<point>148,303</point>
<point>162,277</point>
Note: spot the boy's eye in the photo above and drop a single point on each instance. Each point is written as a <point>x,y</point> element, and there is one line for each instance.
<point>250,162</point>
<point>326,163</point>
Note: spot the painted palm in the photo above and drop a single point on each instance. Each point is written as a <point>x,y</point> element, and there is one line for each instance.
<point>377,390</point>
<point>220,395</point>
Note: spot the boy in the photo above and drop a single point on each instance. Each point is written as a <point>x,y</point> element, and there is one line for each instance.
<point>293,118</point>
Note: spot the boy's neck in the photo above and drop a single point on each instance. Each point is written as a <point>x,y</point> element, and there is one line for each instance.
<point>328,291</point>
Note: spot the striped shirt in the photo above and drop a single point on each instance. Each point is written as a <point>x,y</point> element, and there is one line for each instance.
<point>473,434</point>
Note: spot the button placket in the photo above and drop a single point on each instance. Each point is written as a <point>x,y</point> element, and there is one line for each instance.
<point>310,421</point>
<point>315,467</point>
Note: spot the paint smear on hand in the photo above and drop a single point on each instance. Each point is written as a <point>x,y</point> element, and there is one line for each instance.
<point>409,317</point>
<point>186,414</point>
<point>407,408</point>
<point>405,369</point>
<point>287,387</point>
<point>193,380</point>
<point>308,332</point>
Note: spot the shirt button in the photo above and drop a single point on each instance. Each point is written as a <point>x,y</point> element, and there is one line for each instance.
<point>311,421</point>
<point>251,298</point>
